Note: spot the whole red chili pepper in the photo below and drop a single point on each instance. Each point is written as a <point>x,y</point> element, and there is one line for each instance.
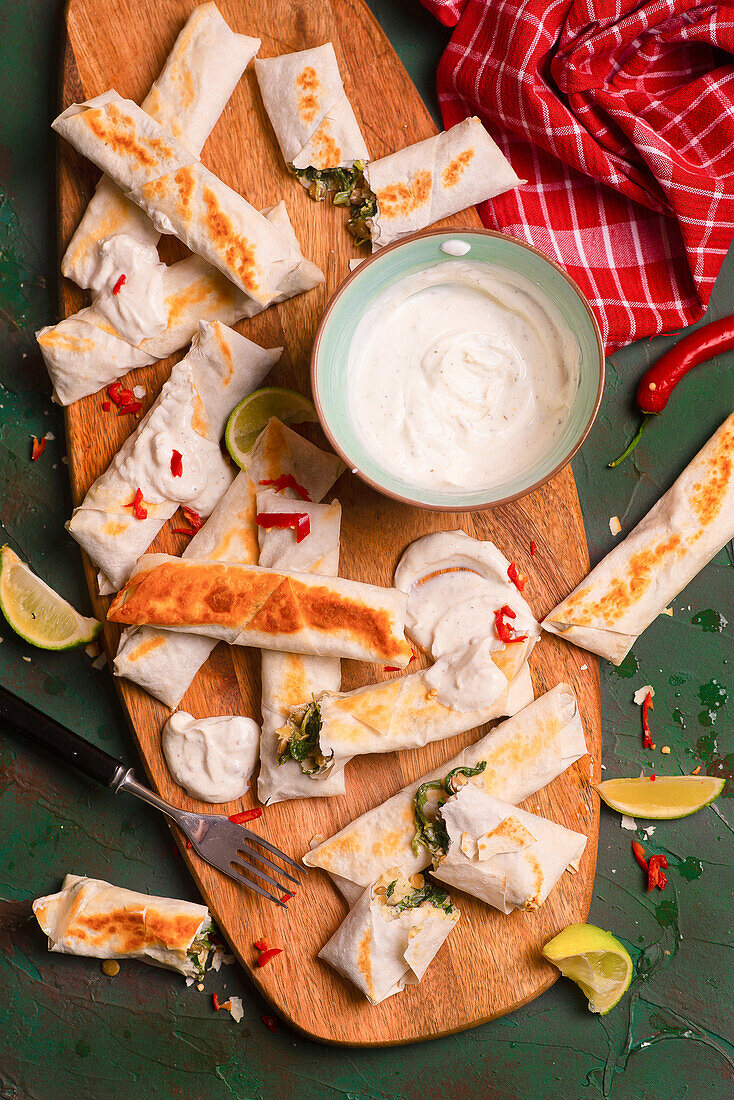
<point>246,815</point>
<point>299,521</point>
<point>505,632</point>
<point>657,383</point>
<point>287,481</point>
<point>647,706</point>
<point>268,955</point>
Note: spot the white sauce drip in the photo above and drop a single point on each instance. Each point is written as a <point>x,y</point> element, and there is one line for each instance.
<point>455,584</point>
<point>461,376</point>
<point>455,248</point>
<point>212,758</point>
<point>138,310</point>
<point>168,427</point>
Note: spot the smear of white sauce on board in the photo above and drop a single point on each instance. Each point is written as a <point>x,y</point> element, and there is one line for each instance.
<point>461,376</point>
<point>212,758</point>
<point>138,310</point>
<point>455,248</point>
<point>455,584</point>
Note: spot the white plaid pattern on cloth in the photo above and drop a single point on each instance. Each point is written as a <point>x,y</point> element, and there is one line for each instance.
<point>620,114</point>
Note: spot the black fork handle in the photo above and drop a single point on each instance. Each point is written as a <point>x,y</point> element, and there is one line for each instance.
<point>57,739</point>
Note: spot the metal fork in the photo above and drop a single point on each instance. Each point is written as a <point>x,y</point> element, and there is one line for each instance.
<point>219,841</point>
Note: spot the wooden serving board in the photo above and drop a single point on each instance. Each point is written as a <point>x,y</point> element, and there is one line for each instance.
<point>491,964</point>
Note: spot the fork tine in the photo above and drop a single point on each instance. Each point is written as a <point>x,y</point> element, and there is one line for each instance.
<point>276,851</point>
<point>256,871</point>
<point>251,885</point>
<point>267,862</point>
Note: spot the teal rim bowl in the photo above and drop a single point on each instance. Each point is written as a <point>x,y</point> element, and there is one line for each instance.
<point>329,360</point>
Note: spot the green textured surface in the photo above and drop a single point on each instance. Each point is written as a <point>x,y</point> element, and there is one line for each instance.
<point>67,1031</point>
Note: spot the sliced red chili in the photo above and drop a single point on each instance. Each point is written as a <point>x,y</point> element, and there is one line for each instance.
<point>639,853</point>
<point>266,956</point>
<point>533,548</point>
<point>271,1023</point>
<point>124,398</point>
<point>261,945</point>
<point>286,898</point>
<point>177,463</point>
<point>299,521</point>
<point>39,446</point>
<point>246,815</point>
<point>194,519</point>
<point>119,284</point>
<point>133,407</point>
<point>518,579</point>
<point>137,505</point>
<point>215,1002</point>
<point>647,706</point>
<point>106,406</point>
<point>656,874</point>
<point>287,481</point>
<point>505,632</point>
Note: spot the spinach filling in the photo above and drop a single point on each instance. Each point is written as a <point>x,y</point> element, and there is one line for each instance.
<point>199,950</point>
<point>433,894</point>
<point>302,742</point>
<point>337,182</point>
<point>433,834</point>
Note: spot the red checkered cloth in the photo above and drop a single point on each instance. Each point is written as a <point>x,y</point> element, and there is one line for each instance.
<point>620,114</point>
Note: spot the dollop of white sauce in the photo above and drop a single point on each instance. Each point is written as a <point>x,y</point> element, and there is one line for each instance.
<point>455,248</point>
<point>455,584</point>
<point>169,426</point>
<point>138,310</point>
<point>461,376</point>
<point>212,758</point>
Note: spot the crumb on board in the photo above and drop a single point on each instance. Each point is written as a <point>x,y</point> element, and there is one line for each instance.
<point>614,525</point>
<point>666,749</point>
<point>628,822</point>
<point>642,693</point>
<point>111,968</point>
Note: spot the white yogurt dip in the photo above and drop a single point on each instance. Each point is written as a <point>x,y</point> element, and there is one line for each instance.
<point>137,310</point>
<point>212,758</point>
<point>461,376</point>
<point>455,248</point>
<point>455,584</point>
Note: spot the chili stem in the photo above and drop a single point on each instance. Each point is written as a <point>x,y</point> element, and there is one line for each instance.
<point>635,440</point>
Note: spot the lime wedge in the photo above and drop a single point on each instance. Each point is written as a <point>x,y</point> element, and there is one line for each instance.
<point>594,959</point>
<point>666,796</point>
<point>251,415</point>
<point>36,612</point>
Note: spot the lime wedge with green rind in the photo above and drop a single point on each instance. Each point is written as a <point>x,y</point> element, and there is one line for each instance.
<point>599,964</point>
<point>38,614</point>
<point>662,798</point>
<point>252,414</point>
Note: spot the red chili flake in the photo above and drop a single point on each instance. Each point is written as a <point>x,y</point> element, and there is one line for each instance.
<point>106,406</point>
<point>133,407</point>
<point>533,548</point>
<point>39,446</point>
<point>299,521</point>
<point>177,463</point>
<point>119,284</point>
<point>246,815</point>
<point>268,955</point>
<point>189,845</point>
<point>647,706</point>
<point>287,897</point>
<point>394,668</point>
<point>271,1023</point>
<point>518,579</point>
<point>653,777</point>
<point>639,853</point>
<point>656,874</point>
<point>215,1002</point>
<point>287,481</point>
<point>505,632</point>
<point>194,519</point>
<point>137,505</point>
<point>261,945</point>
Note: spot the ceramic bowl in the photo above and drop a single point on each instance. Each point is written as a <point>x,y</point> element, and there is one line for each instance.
<point>329,361</point>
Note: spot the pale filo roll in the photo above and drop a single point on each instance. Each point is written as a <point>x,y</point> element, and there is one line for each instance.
<point>84,353</point>
<point>165,662</point>
<point>197,80</point>
<point>93,918</point>
<point>431,180</point>
<point>520,756</point>
<point>188,416</point>
<point>391,935</point>
<point>636,581</point>
<point>503,855</point>
<point>179,194</point>
<point>268,609</point>
<point>309,111</point>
